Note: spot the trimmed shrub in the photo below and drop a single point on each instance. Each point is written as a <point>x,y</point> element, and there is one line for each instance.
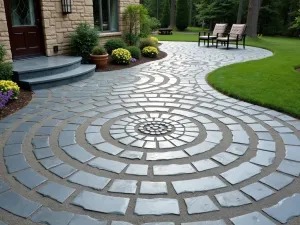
<point>131,39</point>
<point>99,50</point>
<point>182,12</point>
<point>121,56</point>
<point>150,52</point>
<point>134,51</point>
<point>145,42</point>
<point>83,40</point>
<point>113,44</point>
<point>6,69</point>
<point>154,39</point>
<point>2,53</point>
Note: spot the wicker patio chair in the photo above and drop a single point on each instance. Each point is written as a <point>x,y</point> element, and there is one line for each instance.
<point>218,31</point>
<point>236,34</point>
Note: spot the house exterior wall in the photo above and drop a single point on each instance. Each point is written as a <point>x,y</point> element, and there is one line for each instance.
<point>57,27</point>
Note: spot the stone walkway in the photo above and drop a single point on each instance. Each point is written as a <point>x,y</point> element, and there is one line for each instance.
<point>151,144</point>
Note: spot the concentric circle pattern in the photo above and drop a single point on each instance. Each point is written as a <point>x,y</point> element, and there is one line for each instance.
<point>151,144</point>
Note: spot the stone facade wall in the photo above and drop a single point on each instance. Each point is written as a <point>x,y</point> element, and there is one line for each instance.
<point>4,36</point>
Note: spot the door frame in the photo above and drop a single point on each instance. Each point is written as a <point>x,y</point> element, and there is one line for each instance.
<point>38,11</point>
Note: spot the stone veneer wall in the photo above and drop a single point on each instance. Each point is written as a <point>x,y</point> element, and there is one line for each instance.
<point>58,27</point>
<point>4,36</point>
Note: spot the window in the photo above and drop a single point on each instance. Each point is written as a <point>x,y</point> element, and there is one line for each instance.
<point>22,12</point>
<point>106,15</point>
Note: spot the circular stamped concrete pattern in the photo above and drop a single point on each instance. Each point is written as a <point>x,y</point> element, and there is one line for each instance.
<point>153,144</point>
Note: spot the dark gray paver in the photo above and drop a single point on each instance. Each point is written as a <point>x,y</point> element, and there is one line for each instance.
<point>232,198</point>
<point>277,180</point>
<point>50,162</point>
<point>254,218</point>
<point>86,220</point>
<point>18,205</point>
<point>212,222</point>
<point>3,186</point>
<point>89,180</point>
<point>200,204</point>
<point>10,150</point>
<point>123,186</point>
<point>78,153</point>
<point>42,153</point>
<point>46,215</point>
<point>109,204</point>
<point>199,184</point>
<point>153,188</point>
<point>257,191</point>
<point>66,138</point>
<point>16,163</point>
<point>56,191</point>
<point>45,131</point>
<point>241,172</point>
<point>63,170</point>
<point>156,206</point>
<point>285,209</point>
<point>16,138</point>
<point>26,126</point>
<point>173,169</point>
<point>289,167</point>
<point>108,165</point>
<point>30,178</point>
<point>40,142</point>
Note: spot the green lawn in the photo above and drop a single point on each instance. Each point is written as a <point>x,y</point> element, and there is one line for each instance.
<point>272,82</point>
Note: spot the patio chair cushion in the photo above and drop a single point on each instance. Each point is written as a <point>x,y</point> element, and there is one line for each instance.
<point>237,29</point>
<point>206,37</point>
<point>219,28</point>
<point>226,38</point>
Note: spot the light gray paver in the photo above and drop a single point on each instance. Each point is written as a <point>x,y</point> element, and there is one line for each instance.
<point>45,215</point>
<point>232,198</point>
<point>156,206</point>
<point>200,204</point>
<point>254,218</point>
<point>172,169</point>
<point>152,188</point>
<point>89,180</point>
<point>56,191</point>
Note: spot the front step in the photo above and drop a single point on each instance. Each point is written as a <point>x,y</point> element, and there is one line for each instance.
<point>54,80</point>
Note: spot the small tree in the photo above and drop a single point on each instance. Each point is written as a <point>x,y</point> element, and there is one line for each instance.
<point>296,24</point>
<point>165,20</point>
<point>182,12</point>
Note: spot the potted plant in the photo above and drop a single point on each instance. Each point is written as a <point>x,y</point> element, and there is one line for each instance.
<point>99,56</point>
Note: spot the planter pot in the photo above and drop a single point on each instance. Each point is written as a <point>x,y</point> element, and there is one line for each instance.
<point>100,60</point>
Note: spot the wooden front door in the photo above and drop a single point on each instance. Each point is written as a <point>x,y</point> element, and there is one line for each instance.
<point>24,26</point>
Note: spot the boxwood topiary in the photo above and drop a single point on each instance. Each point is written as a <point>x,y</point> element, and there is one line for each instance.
<point>99,50</point>
<point>113,44</point>
<point>6,68</point>
<point>145,42</point>
<point>134,51</point>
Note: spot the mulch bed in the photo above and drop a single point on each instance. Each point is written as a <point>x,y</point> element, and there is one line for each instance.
<point>112,67</point>
<point>14,105</point>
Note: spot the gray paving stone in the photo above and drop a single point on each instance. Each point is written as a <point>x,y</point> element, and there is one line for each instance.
<point>78,153</point>
<point>290,139</point>
<point>50,162</point>
<point>254,218</point>
<point>10,150</point>
<point>285,209</point>
<point>153,156</point>
<point>108,165</point>
<point>112,205</point>
<point>156,206</point>
<point>16,138</point>
<point>66,138</point>
<point>153,188</point>
<point>237,149</point>
<point>240,173</point>
<point>277,180</point>
<point>200,204</point>
<point>120,223</point>
<point>109,148</point>
<point>289,167</point>
<point>94,138</point>
<point>46,215</point>
<point>257,191</point>
<point>63,170</point>
<point>131,154</point>
<point>2,223</point>
<point>232,199</point>
<point>292,153</point>
<point>16,163</point>
<point>264,136</point>
<point>159,223</point>
<point>263,158</point>
<point>40,142</point>
<point>56,191</point>
<point>197,185</point>
<point>3,186</point>
<point>89,180</point>
<point>18,205</point>
<point>224,158</point>
<point>267,145</point>
<point>205,164</point>
<point>42,153</point>
<point>137,169</point>
<point>86,220</point>
<point>240,137</point>
<point>215,222</point>
<point>30,178</point>
<point>200,148</point>
<point>123,186</point>
<point>172,169</point>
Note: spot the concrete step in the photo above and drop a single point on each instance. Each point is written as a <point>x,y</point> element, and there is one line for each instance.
<point>82,72</point>
<point>44,66</point>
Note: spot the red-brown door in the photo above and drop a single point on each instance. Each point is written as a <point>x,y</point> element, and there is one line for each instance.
<point>24,26</point>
